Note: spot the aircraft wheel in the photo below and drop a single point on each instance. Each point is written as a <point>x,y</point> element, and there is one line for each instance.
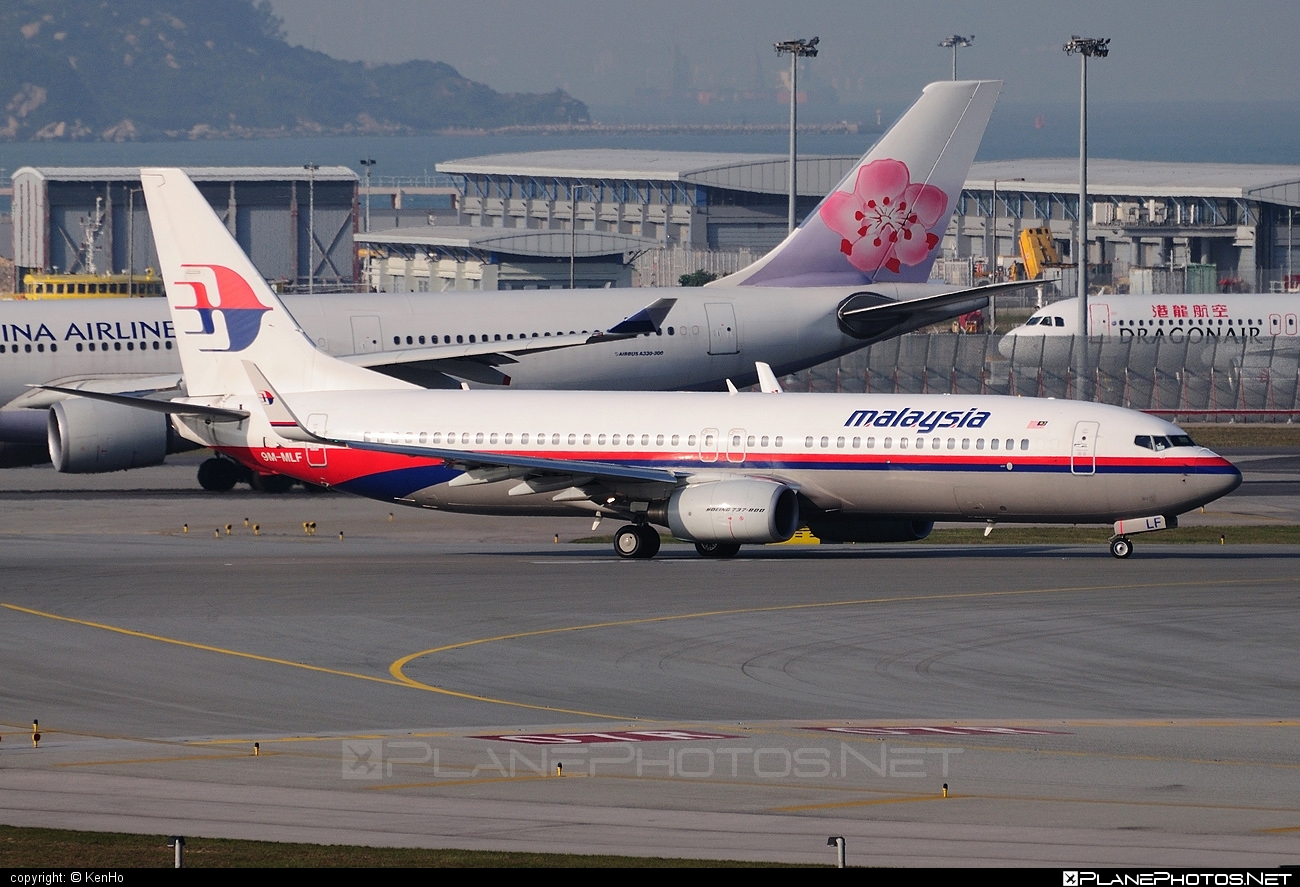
<point>1121,547</point>
<point>628,542</point>
<point>649,539</point>
<point>218,475</point>
<point>717,549</point>
<point>271,483</point>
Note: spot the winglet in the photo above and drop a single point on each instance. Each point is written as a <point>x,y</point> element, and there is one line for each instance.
<point>767,382</point>
<point>647,320</point>
<point>282,419</point>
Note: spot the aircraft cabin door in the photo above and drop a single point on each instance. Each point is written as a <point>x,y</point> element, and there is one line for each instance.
<point>1083,452</point>
<point>723,338</point>
<point>1099,320</point>
<point>736,445</point>
<point>709,445</point>
<point>365,335</point>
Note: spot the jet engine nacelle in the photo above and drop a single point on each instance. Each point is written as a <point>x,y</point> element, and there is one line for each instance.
<point>857,529</point>
<point>89,436</point>
<point>743,510</point>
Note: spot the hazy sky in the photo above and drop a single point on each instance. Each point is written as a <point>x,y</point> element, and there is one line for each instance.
<point>871,52</point>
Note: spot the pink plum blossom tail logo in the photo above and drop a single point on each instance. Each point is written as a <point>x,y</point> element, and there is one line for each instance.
<point>886,219</point>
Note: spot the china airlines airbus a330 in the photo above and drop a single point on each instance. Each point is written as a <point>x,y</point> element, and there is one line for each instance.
<point>716,469</point>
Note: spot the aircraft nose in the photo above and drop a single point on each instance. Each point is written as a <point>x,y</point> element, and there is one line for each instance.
<point>1216,476</point>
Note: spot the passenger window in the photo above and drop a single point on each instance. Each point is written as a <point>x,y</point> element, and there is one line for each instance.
<point>493,438</point>
<point>979,444</point>
<point>749,442</point>
<point>659,440</point>
<point>586,440</point>
<point>808,442</point>
<point>509,439</point>
<point>826,442</point>
<point>902,443</point>
<point>1011,444</point>
<point>437,437</point>
<point>1024,443</point>
<point>645,440</point>
<point>601,440</point>
<point>952,443</point>
<point>676,438</point>
<point>888,442</point>
<point>993,444</point>
<point>573,440</point>
<point>965,443</point>
<point>424,437</point>
<point>464,437</point>
<point>614,440</point>
<point>690,441</point>
<point>763,442</point>
<point>478,438</point>
<point>523,438</point>
<point>555,440</point>
<point>839,442</point>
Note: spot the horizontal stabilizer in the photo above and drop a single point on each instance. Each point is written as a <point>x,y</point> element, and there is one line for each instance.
<point>172,407</point>
<point>874,318</point>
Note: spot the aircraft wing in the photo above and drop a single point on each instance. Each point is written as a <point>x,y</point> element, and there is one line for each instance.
<point>477,361</point>
<point>874,318</point>
<point>153,405</point>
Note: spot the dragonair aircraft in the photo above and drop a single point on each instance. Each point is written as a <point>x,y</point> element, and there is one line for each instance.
<point>853,273</point>
<point>1178,317</point>
<point>716,469</point>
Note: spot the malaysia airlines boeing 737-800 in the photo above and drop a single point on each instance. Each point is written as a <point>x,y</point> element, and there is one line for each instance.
<point>717,469</point>
<point>853,273</point>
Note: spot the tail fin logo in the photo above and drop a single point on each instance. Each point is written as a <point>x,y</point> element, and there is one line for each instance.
<point>267,397</point>
<point>886,220</point>
<point>241,311</point>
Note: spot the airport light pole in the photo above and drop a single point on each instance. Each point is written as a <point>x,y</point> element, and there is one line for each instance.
<point>368,162</point>
<point>311,225</point>
<point>1086,47</point>
<point>797,49</point>
<point>956,42</point>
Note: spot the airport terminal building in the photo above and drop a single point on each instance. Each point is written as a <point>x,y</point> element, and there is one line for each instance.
<point>633,217</point>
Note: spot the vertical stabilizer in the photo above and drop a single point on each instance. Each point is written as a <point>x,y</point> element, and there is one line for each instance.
<point>885,221</point>
<point>223,311</point>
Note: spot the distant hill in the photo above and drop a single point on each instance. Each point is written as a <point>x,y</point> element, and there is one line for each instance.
<point>150,69</point>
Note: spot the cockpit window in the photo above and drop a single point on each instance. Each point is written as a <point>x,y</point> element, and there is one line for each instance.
<point>1033,321</point>
<point>1060,321</point>
<point>1158,444</point>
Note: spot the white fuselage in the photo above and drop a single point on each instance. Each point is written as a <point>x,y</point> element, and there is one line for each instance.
<point>1178,318</point>
<point>709,335</point>
<point>898,456</point>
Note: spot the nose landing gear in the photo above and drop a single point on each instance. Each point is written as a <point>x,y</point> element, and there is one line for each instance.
<point>1121,547</point>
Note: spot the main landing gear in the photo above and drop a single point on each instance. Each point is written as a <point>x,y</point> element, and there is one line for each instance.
<point>637,541</point>
<point>1121,547</point>
<point>717,549</point>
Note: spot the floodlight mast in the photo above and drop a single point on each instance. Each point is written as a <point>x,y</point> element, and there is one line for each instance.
<point>797,49</point>
<point>311,226</point>
<point>1085,47</point>
<point>955,42</point>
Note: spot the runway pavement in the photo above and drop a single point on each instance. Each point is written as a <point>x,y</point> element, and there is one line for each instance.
<point>418,682</point>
